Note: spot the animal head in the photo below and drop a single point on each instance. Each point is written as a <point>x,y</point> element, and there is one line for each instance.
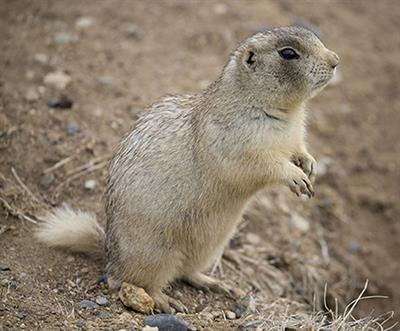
<point>285,66</point>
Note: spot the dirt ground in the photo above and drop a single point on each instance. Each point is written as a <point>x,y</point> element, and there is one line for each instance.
<point>121,55</point>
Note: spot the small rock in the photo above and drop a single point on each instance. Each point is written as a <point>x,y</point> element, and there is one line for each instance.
<point>166,322</point>
<point>150,328</point>
<point>41,58</point>
<point>80,324</point>
<point>71,283</point>
<point>104,315</point>
<point>253,238</point>
<point>353,247</point>
<point>230,315</point>
<point>250,325</point>
<point>136,298</point>
<point>62,103</point>
<point>90,184</point>
<point>71,129</point>
<point>63,37</point>
<point>87,304</point>
<point>102,280</point>
<point>4,267</point>
<point>84,22</point>
<point>31,95</point>
<point>244,305</point>
<point>299,222</point>
<point>132,30</point>
<point>57,79</point>
<point>47,180</point>
<point>102,301</point>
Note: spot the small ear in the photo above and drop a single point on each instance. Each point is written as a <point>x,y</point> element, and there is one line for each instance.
<point>249,58</point>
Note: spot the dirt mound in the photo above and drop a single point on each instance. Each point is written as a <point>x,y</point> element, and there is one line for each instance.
<point>110,59</point>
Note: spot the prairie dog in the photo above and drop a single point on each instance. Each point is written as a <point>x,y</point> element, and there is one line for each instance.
<point>179,181</point>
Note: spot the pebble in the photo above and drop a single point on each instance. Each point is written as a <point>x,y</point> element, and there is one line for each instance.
<point>136,298</point>
<point>166,322</point>
<point>71,129</point>
<point>62,103</point>
<point>101,280</point>
<point>63,37</point>
<point>253,238</point>
<point>80,323</point>
<point>84,22</point>
<point>250,325</point>
<point>299,222</point>
<point>132,30</point>
<point>102,301</point>
<point>57,79</point>
<point>47,180</point>
<point>244,305</point>
<point>353,247</point>
<point>31,95</point>
<point>41,58</point>
<point>87,304</point>
<point>104,315</point>
<point>150,328</point>
<point>230,315</point>
<point>90,184</point>
<point>4,267</point>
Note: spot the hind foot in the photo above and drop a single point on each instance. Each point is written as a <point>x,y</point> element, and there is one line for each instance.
<point>164,303</point>
<point>206,283</point>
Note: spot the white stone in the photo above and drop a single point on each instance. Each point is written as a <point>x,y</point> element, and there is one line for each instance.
<point>230,315</point>
<point>299,222</point>
<point>57,79</point>
<point>150,328</point>
<point>84,22</point>
<point>41,58</point>
<point>90,184</point>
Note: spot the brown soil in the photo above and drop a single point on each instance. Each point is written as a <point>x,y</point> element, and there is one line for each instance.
<point>136,51</point>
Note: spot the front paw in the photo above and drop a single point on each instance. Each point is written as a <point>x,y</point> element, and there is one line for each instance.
<point>306,163</point>
<point>299,182</point>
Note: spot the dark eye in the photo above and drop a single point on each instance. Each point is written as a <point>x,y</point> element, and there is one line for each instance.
<point>288,53</point>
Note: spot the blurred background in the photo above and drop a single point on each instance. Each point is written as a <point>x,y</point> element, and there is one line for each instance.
<point>75,76</point>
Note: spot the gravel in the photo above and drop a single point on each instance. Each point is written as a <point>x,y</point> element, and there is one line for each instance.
<point>166,322</point>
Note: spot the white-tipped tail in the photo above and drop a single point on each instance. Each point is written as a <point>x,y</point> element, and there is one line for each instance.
<point>73,230</point>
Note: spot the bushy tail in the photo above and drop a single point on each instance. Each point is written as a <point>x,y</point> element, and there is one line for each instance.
<point>76,231</point>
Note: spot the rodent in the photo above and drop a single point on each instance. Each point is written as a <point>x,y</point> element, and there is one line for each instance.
<point>179,180</point>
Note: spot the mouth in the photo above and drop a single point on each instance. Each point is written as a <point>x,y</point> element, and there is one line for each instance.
<point>323,82</point>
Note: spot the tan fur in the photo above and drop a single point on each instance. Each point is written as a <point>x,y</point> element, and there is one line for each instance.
<point>75,230</point>
<point>181,178</point>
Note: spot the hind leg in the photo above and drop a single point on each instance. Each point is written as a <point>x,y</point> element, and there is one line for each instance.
<point>206,283</point>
